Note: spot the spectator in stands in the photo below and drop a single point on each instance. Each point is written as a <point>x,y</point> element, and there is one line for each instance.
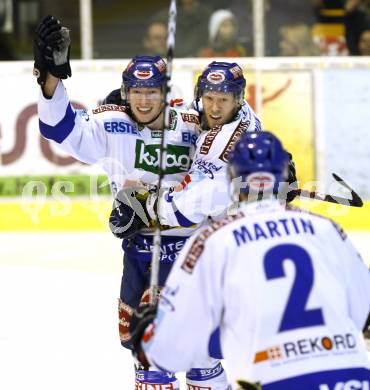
<point>155,39</point>
<point>364,43</point>
<point>329,31</point>
<point>296,40</point>
<point>357,20</point>
<point>282,12</point>
<point>362,6</point>
<point>191,26</point>
<point>223,31</point>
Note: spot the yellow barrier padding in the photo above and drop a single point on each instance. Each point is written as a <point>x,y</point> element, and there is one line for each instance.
<point>85,215</point>
<point>350,218</point>
<point>52,215</point>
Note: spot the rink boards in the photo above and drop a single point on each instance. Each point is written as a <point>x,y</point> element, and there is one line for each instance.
<point>92,214</point>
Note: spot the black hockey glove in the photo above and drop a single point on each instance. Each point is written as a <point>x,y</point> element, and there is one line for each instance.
<point>292,180</point>
<point>249,385</point>
<point>114,98</point>
<point>142,317</point>
<point>129,213</point>
<point>51,48</point>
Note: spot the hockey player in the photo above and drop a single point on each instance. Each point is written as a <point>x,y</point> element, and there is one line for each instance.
<point>219,98</point>
<point>219,95</point>
<point>287,288</point>
<point>125,140</point>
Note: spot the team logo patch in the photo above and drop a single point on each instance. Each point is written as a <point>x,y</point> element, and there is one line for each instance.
<point>259,181</point>
<point>172,120</point>
<point>176,157</point>
<point>161,65</point>
<point>215,77</point>
<point>143,74</point>
<point>116,126</point>
<point>237,72</point>
<point>206,167</point>
<point>293,350</point>
<point>156,133</point>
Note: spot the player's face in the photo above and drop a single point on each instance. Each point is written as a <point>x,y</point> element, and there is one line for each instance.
<point>145,103</point>
<point>219,107</point>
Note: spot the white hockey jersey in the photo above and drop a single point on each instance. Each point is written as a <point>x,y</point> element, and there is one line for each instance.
<point>109,137</point>
<point>205,190</point>
<point>289,292</point>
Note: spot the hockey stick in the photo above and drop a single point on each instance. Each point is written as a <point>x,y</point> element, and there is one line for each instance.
<point>366,327</point>
<point>157,234</point>
<point>355,201</point>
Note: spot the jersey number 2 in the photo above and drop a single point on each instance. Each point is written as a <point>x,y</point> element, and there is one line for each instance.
<point>295,314</point>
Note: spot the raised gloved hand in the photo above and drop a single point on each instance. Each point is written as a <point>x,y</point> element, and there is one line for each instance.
<point>51,49</point>
<point>129,214</point>
<point>142,317</point>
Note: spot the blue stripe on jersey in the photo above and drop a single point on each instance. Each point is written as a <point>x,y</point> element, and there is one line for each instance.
<point>204,374</point>
<point>182,220</point>
<point>357,378</point>
<point>214,345</point>
<point>61,130</point>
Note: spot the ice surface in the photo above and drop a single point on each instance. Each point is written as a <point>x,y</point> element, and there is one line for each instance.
<point>58,311</point>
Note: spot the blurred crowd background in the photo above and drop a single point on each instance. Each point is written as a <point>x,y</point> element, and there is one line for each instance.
<point>205,28</point>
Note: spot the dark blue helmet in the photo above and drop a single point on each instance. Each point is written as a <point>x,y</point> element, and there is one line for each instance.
<point>261,161</point>
<point>221,77</point>
<point>144,72</point>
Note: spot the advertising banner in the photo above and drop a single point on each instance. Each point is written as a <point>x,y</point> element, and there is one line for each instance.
<point>319,109</point>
